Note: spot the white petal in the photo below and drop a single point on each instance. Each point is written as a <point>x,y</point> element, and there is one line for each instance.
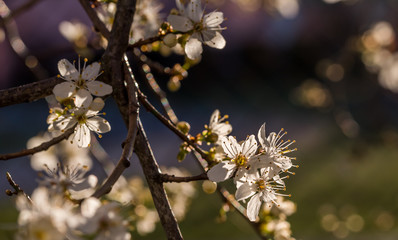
<point>261,137</point>
<point>64,123</point>
<point>67,70</point>
<point>193,48</point>
<point>228,147</point>
<point>244,191</point>
<point>64,90</point>
<point>222,129</point>
<point>217,41</point>
<point>90,73</point>
<point>84,189</point>
<point>90,206</point>
<point>249,147</point>
<point>98,88</point>
<point>98,124</point>
<point>180,23</point>
<point>207,35</point>
<point>83,98</point>
<point>97,105</point>
<point>82,136</point>
<point>214,117</point>
<point>221,172</point>
<point>213,19</point>
<point>253,207</point>
<point>194,10</point>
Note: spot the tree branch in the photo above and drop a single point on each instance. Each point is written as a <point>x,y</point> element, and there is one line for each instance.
<point>172,178</point>
<point>29,92</point>
<point>17,188</point>
<point>42,147</point>
<point>128,144</point>
<point>171,126</point>
<point>152,174</point>
<point>92,14</point>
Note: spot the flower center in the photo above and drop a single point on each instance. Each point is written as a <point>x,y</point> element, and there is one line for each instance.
<point>198,27</point>
<point>81,83</point>
<point>81,119</point>
<point>240,160</point>
<point>261,184</point>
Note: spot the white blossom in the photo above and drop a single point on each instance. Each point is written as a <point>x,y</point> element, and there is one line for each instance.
<point>218,126</point>
<point>103,220</point>
<point>261,188</point>
<point>239,155</point>
<point>47,217</point>
<point>80,84</point>
<point>202,28</point>
<point>83,120</point>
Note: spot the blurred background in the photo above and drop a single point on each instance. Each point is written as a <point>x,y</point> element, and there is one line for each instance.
<point>325,71</point>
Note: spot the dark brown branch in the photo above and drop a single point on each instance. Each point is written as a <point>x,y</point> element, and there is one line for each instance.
<point>16,187</point>
<point>142,42</point>
<point>128,144</point>
<point>172,178</point>
<point>42,147</point>
<point>152,175</point>
<point>92,14</point>
<point>29,92</point>
<point>171,126</point>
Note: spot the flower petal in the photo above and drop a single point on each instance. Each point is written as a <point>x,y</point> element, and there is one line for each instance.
<point>90,73</point>
<point>83,98</point>
<point>249,147</point>
<point>67,70</point>
<point>64,90</point>
<point>217,41</point>
<point>221,172</point>
<point>253,207</point>
<point>229,146</point>
<point>193,48</point>
<point>262,138</point>
<point>213,19</point>
<point>98,124</point>
<point>98,88</point>
<point>194,10</point>
<point>82,136</point>
<point>180,23</point>
<point>96,105</point>
<point>244,191</point>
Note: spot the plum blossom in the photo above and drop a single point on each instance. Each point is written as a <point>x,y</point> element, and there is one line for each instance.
<point>218,127</point>
<point>239,155</point>
<point>261,188</point>
<point>83,120</point>
<point>80,84</point>
<point>202,28</point>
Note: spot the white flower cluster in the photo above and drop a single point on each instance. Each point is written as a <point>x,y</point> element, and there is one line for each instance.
<point>51,216</point>
<point>200,28</point>
<point>81,111</point>
<point>256,170</point>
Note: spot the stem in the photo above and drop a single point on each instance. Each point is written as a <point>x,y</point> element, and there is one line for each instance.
<point>172,178</point>
<point>42,147</point>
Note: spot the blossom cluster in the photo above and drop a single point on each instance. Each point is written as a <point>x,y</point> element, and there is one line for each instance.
<point>256,169</point>
<point>80,110</point>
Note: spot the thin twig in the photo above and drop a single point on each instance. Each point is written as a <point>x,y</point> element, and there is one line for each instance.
<point>92,14</point>
<point>146,73</point>
<point>128,144</point>
<point>29,92</point>
<point>42,147</point>
<point>142,42</point>
<point>17,188</point>
<point>171,126</point>
<point>171,178</point>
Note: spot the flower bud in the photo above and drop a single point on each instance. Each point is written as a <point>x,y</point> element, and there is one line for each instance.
<point>209,187</point>
<point>184,127</point>
<point>170,40</point>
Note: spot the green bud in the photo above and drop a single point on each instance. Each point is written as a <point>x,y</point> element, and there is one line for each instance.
<point>184,127</point>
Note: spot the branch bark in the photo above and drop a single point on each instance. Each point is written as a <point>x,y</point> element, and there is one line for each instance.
<point>42,147</point>
<point>152,174</point>
<point>172,178</point>
<point>29,92</point>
